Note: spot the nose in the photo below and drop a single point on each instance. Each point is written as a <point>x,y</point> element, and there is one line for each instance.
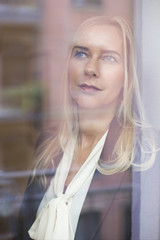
<point>91,68</point>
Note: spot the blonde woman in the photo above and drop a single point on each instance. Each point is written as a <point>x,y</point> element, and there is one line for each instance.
<point>86,160</point>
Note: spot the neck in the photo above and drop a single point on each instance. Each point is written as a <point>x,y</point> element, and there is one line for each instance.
<point>93,124</point>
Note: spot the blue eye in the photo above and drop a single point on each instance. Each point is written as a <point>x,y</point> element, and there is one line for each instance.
<point>80,54</point>
<point>109,58</point>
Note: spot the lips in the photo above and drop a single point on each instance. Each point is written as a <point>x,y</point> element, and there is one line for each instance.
<point>89,88</point>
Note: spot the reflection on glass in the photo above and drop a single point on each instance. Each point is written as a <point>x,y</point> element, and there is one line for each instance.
<point>82,3</point>
<point>17,3</point>
<point>21,108</point>
<point>7,208</point>
<point>21,96</point>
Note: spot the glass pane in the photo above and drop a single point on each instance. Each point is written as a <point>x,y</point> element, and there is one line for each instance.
<point>86,2</point>
<point>34,3</point>
<point>41,113</point>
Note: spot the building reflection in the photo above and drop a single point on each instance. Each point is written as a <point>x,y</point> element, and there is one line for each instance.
<point>34,40</point>
<point>20,103</point>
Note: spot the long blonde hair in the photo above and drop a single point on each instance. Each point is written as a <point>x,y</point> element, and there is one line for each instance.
<point>129,115</point>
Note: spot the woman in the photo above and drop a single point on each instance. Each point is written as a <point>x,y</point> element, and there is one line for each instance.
<point>101,131</point>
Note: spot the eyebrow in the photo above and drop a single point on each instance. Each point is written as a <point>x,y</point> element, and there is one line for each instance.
<point>81,47</point>
<point>112,52</point>
<point>103,51</point>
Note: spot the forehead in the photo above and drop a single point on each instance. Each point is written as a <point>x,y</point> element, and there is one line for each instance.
<point>106,36</point>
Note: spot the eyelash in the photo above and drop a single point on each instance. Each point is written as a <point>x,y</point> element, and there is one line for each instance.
<point>79,54</point>
<point>109,58</point>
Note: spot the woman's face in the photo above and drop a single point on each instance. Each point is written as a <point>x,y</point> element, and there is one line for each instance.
<point>96,68</point>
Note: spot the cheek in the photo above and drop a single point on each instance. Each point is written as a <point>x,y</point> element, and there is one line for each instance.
<point>72,73</point>
<point>120,79</point>
<point>120,84</point>
<point>114,78</point>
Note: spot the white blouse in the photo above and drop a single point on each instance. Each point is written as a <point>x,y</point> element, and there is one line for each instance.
<point>59,211</point>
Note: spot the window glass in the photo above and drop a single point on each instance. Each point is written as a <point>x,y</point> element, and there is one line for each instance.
<point>34,43</point>
<point>21,3</point>
<point>86,2</point>
<point>20,107</point>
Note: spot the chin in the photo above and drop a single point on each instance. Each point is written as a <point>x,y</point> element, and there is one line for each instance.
<point>90,105</point>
